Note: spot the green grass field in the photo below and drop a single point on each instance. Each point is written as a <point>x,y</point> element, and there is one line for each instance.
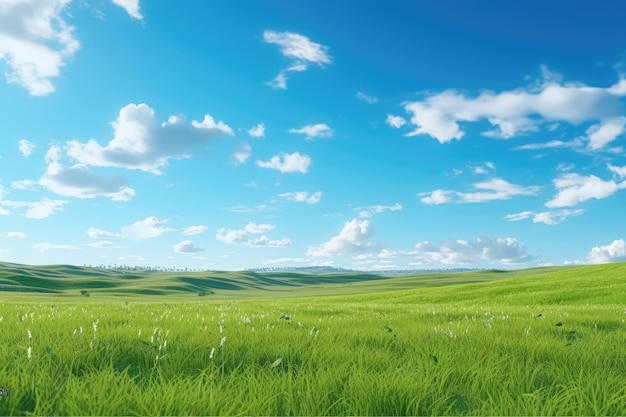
<point>543,341</point>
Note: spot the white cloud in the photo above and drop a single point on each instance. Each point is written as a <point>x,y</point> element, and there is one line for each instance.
<point>47,246</point>
<point>131,7</point>
<point>35,42</point>
<point>605,132</point>
<point>77,181</point>
<point>26,147</point>
<point>319,130</point>
<point>619,171</point>
<point>366,98</point>
<point>44,208</point>
<point>514,112</point>
<point>553,144</point>
<point>395,121</point>
<point>493,189</point>
<point>573,189</point>
<point>245,209</point>
<point>483,169</point>
<point>369,211</point>
<point>257,131</point>
<point>436,197</point>
<point>283,162</point>
<point>241,154</point>
<point>95,233</point>
<point>10,235</point>
<point>243,236</point>
<point>483,249</point>
<point>254,228</point>
<point>546,217</point>
<point>352,238</point>
<point>187,246</point>
<point>615,252</point>
<point>300,49</point>
<point>103,244</point>
<point>195,230</point>
<point>148,228</point>
<point>303,197</point>
<point>34,210</point>
<point>140,142</point>
<point>24,185</point>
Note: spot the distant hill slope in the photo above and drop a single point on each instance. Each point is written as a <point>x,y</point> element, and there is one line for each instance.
<point>65,281</point>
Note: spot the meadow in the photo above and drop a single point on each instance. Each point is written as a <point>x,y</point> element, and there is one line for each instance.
<point>543,341</point>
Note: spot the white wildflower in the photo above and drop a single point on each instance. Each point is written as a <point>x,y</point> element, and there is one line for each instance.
<point>212,352</point>
<point>28,353</point>
<point>222,341</point>
<point>30,336</point>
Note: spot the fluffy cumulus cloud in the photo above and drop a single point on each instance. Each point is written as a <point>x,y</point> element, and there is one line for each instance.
<point>131,7</point>
<point>149,228</point>
<point>369,211</point>
<point>353,238</point>
<point>284,162</point>
<point>300,50</point>
<point>252,234</point>
<point>366,98</point>
<point>319,130</point>
<point>187,246</point>
<point>615,252</point>
<point>242,154</point>
<point>78,181</point>
<point>36,40</point>
<point>546,217</point>
<point>140,142</point>
<point>257,131</point>
<point>395,121</point>
<point>26,147</point>
<point>515,112</point>
<point>493,189</point>
<point>303,197</point>
<point>195,230</point>
<point>573,189</point>
<point>483,249</point>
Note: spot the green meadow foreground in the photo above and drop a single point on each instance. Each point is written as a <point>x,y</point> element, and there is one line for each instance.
<point>544,341</point>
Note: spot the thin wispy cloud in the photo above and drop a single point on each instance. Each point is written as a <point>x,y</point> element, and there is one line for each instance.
<point>300,50</point>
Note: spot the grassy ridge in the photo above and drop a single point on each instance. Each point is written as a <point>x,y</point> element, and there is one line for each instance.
<point>68,281</point>
<point>546,341</point>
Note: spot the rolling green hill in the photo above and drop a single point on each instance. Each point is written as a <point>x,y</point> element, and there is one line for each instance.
<point>554,284</point>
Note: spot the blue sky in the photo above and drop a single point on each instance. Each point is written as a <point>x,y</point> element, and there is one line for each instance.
<point>364,135</point>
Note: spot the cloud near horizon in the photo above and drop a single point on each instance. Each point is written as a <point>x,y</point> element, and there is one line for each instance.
<point>483,249</point>
<point>614,252</point>
<point>252,234</point>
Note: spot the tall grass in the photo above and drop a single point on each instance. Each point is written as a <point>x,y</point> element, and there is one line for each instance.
<point>491,349</point>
